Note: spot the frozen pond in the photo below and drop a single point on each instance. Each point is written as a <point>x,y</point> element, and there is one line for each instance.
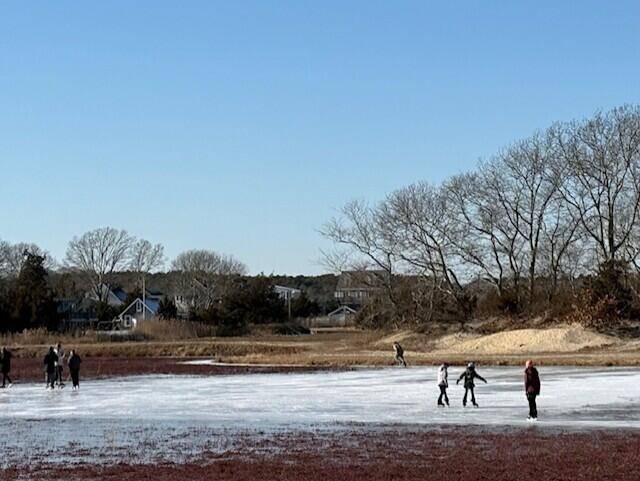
<point>605,397</point>
<point>121,414</point>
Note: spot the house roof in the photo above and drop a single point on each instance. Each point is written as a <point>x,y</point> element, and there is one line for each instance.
<point>151,306</point>
<point>113,293</point>
<point>292,290</point>
<point>120,293</point>
<point>365,279</point>
<point>342,310</point>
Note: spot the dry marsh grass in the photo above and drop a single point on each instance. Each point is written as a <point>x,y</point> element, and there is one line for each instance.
<point>173,330</point>
<point>331,349</point>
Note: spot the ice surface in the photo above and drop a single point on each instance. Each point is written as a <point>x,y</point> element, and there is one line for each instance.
<point>572,397</point>
<point>174,418</point>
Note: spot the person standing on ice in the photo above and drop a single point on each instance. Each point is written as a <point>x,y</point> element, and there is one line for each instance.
<point>74,368</point>
<point>6,366</point>
<point>443,384</point>
<point>59,365</point>
<point>469,375</point>
<point>50,365</point>
<point>399,354</point>
<point>531,388</point>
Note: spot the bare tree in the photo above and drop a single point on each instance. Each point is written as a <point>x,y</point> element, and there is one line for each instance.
<point>200,270</point>
<point>487,235</point>
<point>523,188</point>
<point>208,262</point>
<point>599,167</point>
<point>146,257</point>
<point>97,254</point>
<point>360,228</point>
<point>12,257</point>
<point>422,225</point>
<point>561,245</point>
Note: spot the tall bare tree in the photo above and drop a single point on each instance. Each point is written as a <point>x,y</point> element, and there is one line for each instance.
<point>146,257</point>
<point>360,229</point>
<point>599,168</point>
<point>97,255</point>
<point>422,225</point>
<point>201,270</point>
<point>487,235</point>
<point>561,248</point>
<point>524,189</point>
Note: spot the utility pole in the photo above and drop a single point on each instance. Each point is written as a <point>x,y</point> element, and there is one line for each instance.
<point>144,297</point>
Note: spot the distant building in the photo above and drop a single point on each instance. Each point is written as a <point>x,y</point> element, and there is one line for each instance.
<point>356,287</point>
<point>137,311</point>
<point>115,296</point>
<point>343,316</point>
<point>286,293</point>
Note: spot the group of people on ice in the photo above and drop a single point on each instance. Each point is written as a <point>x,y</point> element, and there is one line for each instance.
<point>54,362</point>
<point>470,374</point>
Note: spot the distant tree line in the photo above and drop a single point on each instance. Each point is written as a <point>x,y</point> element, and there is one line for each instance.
<point>549,224</point>
<point>215,287</point>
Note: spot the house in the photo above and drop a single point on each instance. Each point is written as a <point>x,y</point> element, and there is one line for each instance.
<point>356,287</point>
<point>287,293</point>
<point>137,311</point>
<point>343,316</point>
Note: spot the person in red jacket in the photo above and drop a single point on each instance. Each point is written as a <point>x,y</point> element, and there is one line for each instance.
<point>532,388</point>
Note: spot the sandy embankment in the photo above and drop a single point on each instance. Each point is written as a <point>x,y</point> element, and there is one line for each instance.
<point>562,345</point>
<point>567,339</point>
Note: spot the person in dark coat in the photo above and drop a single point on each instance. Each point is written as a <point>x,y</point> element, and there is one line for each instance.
<point>531,388</point>
<point>74,368</point>
<point>6,366</point>
<point>399,354</point>
<point>50,367</point>
<point>469,375</point>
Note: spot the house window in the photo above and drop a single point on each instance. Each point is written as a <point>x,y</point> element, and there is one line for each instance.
<point>138,307</point>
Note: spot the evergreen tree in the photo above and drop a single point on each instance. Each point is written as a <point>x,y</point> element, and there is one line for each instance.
<point>167,309</point>
<point>30,299</point>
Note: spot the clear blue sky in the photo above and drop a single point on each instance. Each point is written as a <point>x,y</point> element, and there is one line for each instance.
<point>240,126</point>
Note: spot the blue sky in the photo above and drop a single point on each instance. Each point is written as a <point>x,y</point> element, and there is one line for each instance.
<point>241,126</point>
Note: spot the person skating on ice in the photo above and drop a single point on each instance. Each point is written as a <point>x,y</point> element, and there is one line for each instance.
<point>469,375</point>
<point>443,384</point>
<point>6,367</point>
<point>59,365</point>
<point>50,365</point>
<point>399,354</point>
<point>74,368</point>
<point>531,388</point>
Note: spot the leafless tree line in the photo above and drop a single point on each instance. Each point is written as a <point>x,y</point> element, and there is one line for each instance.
<point>98,254</point>
<point>551,207</point>
<point>12,257</point>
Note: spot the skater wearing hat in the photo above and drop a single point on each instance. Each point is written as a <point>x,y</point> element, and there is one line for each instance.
<point>469,375</point>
